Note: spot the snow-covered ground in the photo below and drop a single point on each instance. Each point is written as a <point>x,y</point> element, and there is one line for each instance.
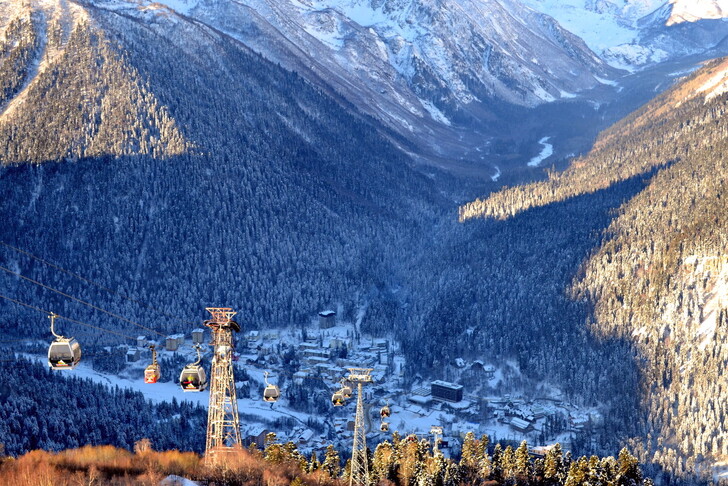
<point>546,152</point>
<point>714,299</point>
<point>720,471</point>
<point>716,85</point>
<point>414,409</point>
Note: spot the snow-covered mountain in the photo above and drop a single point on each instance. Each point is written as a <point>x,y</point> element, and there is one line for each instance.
<point>431,70</point>
<point>633,33</point>
<point>695,10</point>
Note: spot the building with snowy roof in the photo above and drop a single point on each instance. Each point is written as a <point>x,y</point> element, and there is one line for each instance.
<point>521,425</point>
<point>327,319</point>
<point>198,336</point>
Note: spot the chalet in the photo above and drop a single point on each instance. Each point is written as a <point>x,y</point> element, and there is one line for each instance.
<point>198,336</point>
<point>421,400</point>
<point>253,336</point>
<point>301,375</point>
<point>327,319</point>
<point>171,343</point>
<point>520,425</point>
<point>305,437</point>
<point>336,343</point>
<point>256,435</point>
<point>382,344</point>
<point>488,371</point>
<point>538,412</point>
<point>317,353</point>
<point>133,355</point>
<point>315,360</point>
<point>303,347</point>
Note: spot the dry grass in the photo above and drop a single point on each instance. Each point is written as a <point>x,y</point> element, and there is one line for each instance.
<point>107,465</point>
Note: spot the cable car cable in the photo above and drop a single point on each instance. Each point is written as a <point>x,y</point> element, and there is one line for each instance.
<point>79,300</point>
<point>57,267</point>
<point>67,318</point>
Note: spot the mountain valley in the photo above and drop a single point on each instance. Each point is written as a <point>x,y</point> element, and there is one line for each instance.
<point>287,157</point>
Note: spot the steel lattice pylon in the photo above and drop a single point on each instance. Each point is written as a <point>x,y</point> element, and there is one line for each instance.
<point>223,422</point>
<point>359,463</point>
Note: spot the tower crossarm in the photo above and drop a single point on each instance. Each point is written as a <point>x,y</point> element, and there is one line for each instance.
<point>360,375</point>
<point>221,314</point>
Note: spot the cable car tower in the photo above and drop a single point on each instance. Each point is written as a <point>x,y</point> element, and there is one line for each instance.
<point>359,464</point>
<point>436,430</point>
<point>223,422</point>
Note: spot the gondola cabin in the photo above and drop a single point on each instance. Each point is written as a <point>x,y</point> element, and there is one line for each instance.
<point>271,393</point>
<point>346,391</point>
<point>151,373</point>
<point>193,378</point>
<point>385,412</point>
<point>384,427</point>
<point>64,353</point>
<point>337,399</point>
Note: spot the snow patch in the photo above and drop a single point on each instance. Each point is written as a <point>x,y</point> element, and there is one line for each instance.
<point>542,94</point>
<point>715,86</point>
<point>608,82</point>
<point>546,152</point>
<point>183,7</point>
<point>173,480</point>
<point>627,56</point>
<point>435,113</point>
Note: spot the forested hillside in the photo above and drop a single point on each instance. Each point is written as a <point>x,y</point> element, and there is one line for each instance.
<point>276,200</point>
<point>168,162</point>
<point>283,202</point>
<point>62,79</point>
<point>42,410</point>
<point>658,280</point>
<point>653,136</point>
<point>92,410</point>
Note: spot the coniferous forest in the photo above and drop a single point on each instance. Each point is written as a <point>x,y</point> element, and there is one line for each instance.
<point>189,172</point>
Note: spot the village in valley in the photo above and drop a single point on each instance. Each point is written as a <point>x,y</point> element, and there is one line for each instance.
<point>310,363</point>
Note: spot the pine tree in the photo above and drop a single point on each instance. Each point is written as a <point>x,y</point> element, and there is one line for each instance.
<point>292,454</point>
<point>313,464</point>
<point>383,461</point>
<point>439,469</point>
<point>508,463</point>
<point>470,458</point>
<point>452,475</point>
<point>332,462</point>
<point>578,472</point>
<point>553,469</point>
<point>524,467</point>
<point>628,469</point>
<point>497,464</point>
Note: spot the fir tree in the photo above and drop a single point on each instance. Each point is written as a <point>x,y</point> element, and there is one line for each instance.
<point>332,462</point>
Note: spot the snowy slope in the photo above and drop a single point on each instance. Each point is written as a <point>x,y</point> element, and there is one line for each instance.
<point>632,33</point>
<point>428,69</point>
<point>694,10</point>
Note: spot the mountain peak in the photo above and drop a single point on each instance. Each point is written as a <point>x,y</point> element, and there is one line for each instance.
<point>70,81</point>
<point>695,10</point>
